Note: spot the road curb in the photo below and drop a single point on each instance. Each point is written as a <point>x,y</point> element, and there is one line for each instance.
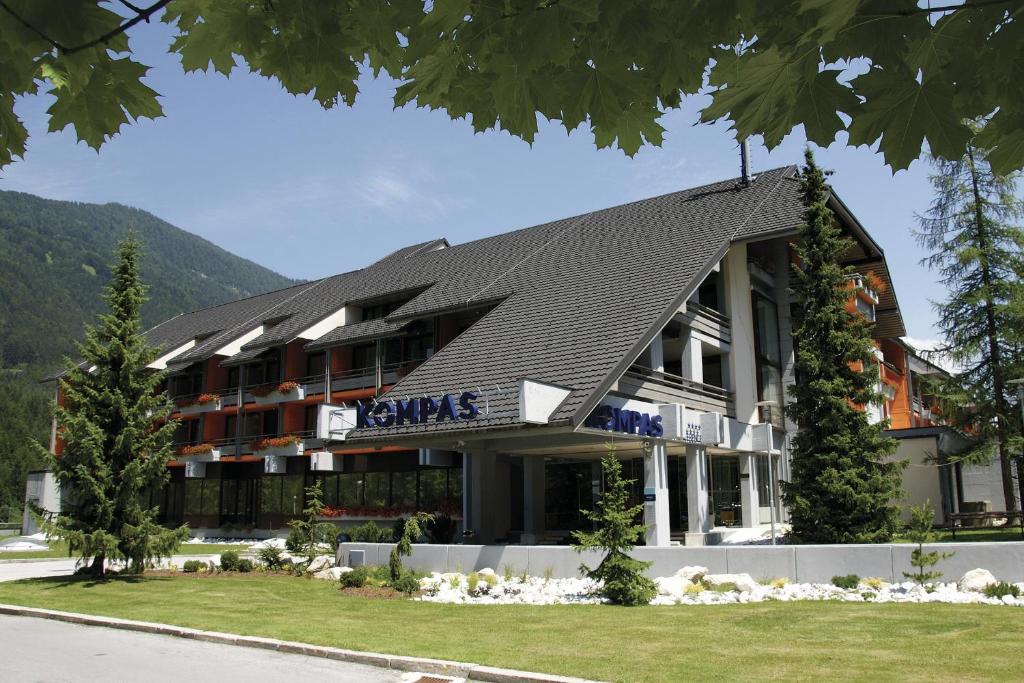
<point>473,672</point>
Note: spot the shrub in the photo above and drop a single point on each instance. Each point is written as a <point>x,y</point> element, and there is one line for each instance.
<point>355,578</point>
<point>616,530</point>
<point>472,581</point>
<point>294,541</point>
<point>406,583</point>
<point>490,579</point>
<point>410,531</point>
<point>442,529</point>
<point>998,590</point>
<point>873,582</point>
<point>370,533</point>
<point>270,557</point>
<point>193,566</point>
<point>229,561</point>
<point>694,588</point>
<point>724,587</point>
<point>849,582</point>
<point>244,565</point>
<point>779,583</point>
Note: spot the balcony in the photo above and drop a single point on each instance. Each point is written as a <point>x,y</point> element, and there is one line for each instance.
<point>706,320</point>
<point>651,385</point>
<point>197,403</point>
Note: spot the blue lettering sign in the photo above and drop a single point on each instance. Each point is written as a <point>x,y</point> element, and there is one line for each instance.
<point>400,412</point>
<point>626,421</point>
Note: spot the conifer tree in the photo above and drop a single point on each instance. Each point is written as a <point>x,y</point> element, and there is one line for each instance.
<point>616,532</point>
<point>972,229</point>
<point>117,436</point>
<point>843,485</point>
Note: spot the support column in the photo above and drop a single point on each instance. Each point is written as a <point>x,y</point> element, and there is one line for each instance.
<point>693,362</point>
<point>657,350</point>
<point>656,515</point>
<point>533,499</point>
<point>742,368</point>
<point>479,495</point>
<point>748,490</point>
<point>697,491</point>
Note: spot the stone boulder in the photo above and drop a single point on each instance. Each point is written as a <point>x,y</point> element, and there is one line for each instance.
<point>744,583</point>
<point>331,573</point>
<point>319,563</point>
<point>976,580</point>
<point>692,574</point>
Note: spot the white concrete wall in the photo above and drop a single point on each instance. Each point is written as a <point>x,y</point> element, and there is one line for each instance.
<point>42,490</point>
<point>984,482</point>
<point>921,478</point>
<point>805,563</point>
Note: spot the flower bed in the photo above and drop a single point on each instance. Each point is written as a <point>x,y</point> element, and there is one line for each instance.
<point>266,390</point>
<point>694,586</point>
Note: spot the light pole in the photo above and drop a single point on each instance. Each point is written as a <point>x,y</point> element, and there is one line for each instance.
<point>767,414</point>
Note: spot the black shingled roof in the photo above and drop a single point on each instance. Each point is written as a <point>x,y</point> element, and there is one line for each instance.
<point>579,298</point>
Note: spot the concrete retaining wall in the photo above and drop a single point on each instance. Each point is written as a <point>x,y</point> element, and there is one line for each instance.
<point>804,563</point>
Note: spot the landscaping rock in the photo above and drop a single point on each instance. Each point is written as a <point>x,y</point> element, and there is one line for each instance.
<point>319,563</point>
<point>331,573</point>
<point>744,583</point>
<point>976,580</point>
<point>692,574</point>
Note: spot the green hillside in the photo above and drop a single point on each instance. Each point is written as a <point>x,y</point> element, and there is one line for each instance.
<point>54,264</point>
<point>54,259</point>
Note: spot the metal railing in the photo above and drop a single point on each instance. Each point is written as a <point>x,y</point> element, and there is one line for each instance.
<point>707,392</point>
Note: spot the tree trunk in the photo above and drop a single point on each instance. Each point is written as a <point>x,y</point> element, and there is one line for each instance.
<point>992,332</point>
<point>98,568</point>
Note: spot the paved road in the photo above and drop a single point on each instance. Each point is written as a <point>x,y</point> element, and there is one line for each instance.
<point>45,650</point>
<point>31,569</point>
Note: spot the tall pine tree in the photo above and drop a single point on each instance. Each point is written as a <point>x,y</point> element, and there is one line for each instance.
<point>977,246</point>
<point>843,485</point>
<point>116,434</point>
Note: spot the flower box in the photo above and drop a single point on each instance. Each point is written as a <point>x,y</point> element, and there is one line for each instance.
<point>203,403</point>
<point>285,391</point>
<point>202,452</point>
<point>280,445</point>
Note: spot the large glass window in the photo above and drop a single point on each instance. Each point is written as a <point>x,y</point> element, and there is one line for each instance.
<point>769,354</point>
<point>187,432</point>
<point>364,356</point>
<point>376,488</point>
<point>403,489</point>
<point>316,364</point>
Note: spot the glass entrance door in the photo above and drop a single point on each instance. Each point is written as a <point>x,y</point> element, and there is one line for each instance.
<point>726,504</point>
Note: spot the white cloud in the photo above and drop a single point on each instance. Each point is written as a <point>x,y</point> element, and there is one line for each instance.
<point>926,347</point>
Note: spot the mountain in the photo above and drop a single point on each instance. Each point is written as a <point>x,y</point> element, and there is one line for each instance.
<point>54,264</point>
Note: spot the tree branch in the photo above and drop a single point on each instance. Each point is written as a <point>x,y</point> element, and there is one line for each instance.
<point>140,15</point>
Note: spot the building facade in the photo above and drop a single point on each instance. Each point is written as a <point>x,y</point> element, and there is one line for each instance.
<point>484,381</point>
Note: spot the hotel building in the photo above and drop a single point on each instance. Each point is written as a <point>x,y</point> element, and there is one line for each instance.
<point>484,380</point>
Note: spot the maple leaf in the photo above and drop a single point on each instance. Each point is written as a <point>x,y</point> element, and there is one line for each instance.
<point>901,113</point>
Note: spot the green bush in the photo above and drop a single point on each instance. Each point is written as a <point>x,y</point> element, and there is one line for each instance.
<point>244,565</point>
<point>355,578</point>
<point>724,587</point>
<point>471,583</point>
<point>370,533</point>
<point>442,529</point>
<point>848,582</point>
<point>229,561</point>
<point>998,590</point>
<point>294,542</point>
<point>193,566</point>
<point>406,583</point>
<point>270,556</point>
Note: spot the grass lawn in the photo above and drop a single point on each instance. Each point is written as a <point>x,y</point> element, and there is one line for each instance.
<point>805,640</point>
<point>60,550</point>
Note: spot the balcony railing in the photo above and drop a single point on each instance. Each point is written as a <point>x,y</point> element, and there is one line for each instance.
<point>650,384</point>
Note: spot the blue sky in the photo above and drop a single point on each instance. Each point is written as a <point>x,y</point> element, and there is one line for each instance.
<point>309,192</point>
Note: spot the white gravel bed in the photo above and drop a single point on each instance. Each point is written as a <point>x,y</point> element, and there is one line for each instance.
<point>694,586</point>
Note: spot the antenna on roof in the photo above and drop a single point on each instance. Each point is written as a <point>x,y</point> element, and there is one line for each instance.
<point>745,176</point>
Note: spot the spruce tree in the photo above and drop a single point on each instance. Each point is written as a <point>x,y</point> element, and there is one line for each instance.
<point>623,580</point>
<point>117,437</point>
<point>972,229</point>
<point>843,485</point>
